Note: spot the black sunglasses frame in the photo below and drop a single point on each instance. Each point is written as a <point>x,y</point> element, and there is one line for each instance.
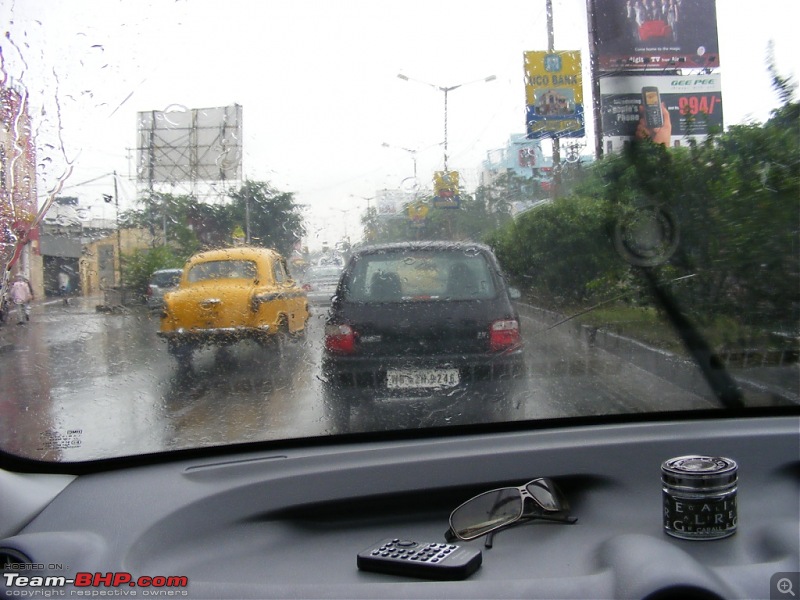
<point>539,512</point>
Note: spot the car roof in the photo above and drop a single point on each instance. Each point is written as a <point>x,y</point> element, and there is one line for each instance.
<point>244,253</point>
<point>162,271</point>
<point>422,245</point>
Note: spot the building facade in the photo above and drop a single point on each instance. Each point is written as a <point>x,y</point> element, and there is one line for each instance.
<point>19,233</point>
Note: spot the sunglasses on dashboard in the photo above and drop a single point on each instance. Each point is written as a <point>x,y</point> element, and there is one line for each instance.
<point>491,511</point>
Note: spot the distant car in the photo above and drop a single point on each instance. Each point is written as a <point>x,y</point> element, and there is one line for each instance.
<point>229,295</point>
<point>423,318</point>
<point>160,283</point>
<point>320,283</point>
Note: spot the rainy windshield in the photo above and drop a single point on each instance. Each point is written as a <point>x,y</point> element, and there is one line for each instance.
<point>586,209</point>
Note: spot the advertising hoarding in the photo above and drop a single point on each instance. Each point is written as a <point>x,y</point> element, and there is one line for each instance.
<point>693,104</point>
<point>445,189</point>
<point>190,145</point>
<point>656,34</point>
<point>554,94</point>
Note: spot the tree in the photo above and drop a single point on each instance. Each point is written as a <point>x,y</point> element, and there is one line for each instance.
<point>274,218</point>
<point>183,225</point>
<point>735,199</point>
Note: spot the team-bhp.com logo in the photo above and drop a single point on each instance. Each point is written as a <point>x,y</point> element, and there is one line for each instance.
<point>93,584</point>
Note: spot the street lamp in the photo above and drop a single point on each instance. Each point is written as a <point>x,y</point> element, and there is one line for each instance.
<point>413,154</point>
<point>446,90</point>
<point>115,198</point>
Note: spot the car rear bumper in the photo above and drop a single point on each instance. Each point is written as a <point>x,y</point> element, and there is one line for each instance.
<point>216,336</point>
<point>371,372</point>
<point>320,297</point>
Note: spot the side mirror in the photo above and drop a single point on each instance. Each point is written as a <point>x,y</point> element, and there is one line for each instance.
<point>514,293</point>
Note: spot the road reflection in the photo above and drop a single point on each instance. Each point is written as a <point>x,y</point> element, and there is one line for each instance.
<point>77,384</point>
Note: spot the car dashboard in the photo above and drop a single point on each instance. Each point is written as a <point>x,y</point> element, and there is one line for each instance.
<point>288,522</point>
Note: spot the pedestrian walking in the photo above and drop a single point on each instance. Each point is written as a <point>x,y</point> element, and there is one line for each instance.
<point>21,295</point>
<point>63,286</point>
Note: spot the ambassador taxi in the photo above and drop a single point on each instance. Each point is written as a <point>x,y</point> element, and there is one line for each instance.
<point>229,295</point>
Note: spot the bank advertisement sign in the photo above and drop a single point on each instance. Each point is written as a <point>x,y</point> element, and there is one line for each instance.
<point>656,34</point>
<point>445,189</point>
<point>693,104</point>
<point>554,94</point>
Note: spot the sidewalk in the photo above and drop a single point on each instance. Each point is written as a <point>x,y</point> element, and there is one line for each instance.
<point>78,304</point>
<point>766,384</point>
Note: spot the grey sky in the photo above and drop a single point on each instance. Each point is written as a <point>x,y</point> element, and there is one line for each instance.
<point>318,83</point>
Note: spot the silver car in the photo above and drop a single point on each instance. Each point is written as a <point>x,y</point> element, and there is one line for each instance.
<point>320,283</point>
<point>160,283</point>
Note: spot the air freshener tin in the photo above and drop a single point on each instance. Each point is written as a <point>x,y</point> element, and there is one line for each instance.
<point>699,494</point>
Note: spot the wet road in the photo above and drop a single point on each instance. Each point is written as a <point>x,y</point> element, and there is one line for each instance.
<point>78,384</point>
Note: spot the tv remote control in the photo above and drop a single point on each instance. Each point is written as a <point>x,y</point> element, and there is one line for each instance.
<point>427,560</point>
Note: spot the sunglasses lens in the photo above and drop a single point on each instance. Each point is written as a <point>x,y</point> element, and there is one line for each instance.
<point>547,495</point>
<point>486,512</point>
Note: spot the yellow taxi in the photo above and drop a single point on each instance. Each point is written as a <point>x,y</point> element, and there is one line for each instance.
<point>229,295</point>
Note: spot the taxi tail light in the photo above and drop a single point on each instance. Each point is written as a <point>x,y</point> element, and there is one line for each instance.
<point>504,335</point>
<point>340,339</point>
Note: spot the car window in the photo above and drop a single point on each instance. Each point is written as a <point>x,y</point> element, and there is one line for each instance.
<point>278,273</point>
<point>419,275</point>
<point>526,213</point>
<point>222,269</point>
<point>169,279</point>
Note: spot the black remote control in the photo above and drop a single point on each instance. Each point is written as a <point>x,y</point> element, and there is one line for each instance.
<point>427,560</point>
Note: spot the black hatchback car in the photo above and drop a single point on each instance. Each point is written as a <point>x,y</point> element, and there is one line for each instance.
<point>423,318</point>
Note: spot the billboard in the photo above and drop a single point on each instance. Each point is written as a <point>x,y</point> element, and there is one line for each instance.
<point>693,104</point>
<point>189,145</point>
<point>656,34</point>
<point>553,94</point>
<point>445,189</point>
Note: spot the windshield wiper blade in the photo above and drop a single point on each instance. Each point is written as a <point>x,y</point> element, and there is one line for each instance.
<point>722,384</point>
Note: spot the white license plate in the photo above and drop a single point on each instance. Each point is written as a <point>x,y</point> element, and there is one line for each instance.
<point>403,379</point>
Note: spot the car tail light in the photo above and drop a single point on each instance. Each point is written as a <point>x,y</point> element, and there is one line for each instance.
<point>340,339</point>
<point>308,287</point>
<point>504,335</point>
<point>149,291</point>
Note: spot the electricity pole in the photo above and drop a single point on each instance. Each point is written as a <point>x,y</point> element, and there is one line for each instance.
<point>551,46</point>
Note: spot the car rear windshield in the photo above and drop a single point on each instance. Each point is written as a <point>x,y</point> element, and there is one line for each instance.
<point>420,275</point>
<point>166,279</point>
<point>223,269</point>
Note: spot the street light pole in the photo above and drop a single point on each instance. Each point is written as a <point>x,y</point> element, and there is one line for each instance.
<point>413,154</point>
<point>119,233</point>
<point>446,90</point>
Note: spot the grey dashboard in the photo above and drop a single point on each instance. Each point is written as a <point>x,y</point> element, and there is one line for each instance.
<point>288,523</point>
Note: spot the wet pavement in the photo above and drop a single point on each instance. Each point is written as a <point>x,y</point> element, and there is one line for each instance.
<point>77,383</point>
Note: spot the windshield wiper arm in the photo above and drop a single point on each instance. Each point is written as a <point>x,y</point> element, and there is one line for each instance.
<point>723,385</point>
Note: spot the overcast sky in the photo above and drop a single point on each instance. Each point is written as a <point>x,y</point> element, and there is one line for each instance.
<point>318,84</point>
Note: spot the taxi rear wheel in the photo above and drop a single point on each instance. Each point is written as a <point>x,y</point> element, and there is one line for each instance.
<point>275,342</point>
<point>181,351</point>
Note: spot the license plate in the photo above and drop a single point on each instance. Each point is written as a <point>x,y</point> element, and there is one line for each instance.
<point>403,379</point>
